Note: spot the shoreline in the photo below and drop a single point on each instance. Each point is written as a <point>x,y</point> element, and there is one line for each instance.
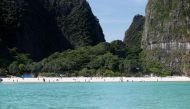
<point>95,79</point>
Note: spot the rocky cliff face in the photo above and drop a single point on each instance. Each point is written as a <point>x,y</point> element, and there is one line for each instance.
<point>133,35</point>
<point>5,56</point>
<point>167,34</point>
<point>41,27</point>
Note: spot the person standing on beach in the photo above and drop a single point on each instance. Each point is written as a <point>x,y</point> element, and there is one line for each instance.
<point>44,80</point>
<point>121,79</point>
<point>1,80</point>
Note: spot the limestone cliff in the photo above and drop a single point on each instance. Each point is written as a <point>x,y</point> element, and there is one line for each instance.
<point>167,34</point>
<point>5,56</point>
<point>42,27</point>
<point>133,35</point>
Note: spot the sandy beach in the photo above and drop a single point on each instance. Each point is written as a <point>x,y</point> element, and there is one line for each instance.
<point>95,79</point>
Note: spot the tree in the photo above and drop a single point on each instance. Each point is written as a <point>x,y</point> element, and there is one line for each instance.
<point>13,68</point>
<point>118,48</point>
<point>3,72</point>
<point>22,68</point>
<point>87,72</point>
<point>108,73</point>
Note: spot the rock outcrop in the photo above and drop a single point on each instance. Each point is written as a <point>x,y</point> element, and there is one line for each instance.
<point>133,35</point>
<point>167,34</point>
<point>42,27</point>
<point>5,56</point>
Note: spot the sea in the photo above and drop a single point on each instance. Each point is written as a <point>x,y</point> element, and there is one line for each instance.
<point>136,95</point>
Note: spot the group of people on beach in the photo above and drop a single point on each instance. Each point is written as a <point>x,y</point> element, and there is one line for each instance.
<point>91,79</point>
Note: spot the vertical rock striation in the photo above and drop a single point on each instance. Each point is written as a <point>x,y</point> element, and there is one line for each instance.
<point>167,34</point>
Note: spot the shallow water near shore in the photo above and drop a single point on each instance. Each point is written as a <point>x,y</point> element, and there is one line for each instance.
<point>148,95</point>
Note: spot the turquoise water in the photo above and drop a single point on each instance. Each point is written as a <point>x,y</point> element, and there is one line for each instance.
<point>161,95</point>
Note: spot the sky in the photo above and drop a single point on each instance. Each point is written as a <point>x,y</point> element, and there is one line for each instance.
<point>116,16</point>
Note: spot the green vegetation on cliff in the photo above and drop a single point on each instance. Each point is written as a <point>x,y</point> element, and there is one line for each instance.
<point>42,27</point>
<point>133,35</point>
